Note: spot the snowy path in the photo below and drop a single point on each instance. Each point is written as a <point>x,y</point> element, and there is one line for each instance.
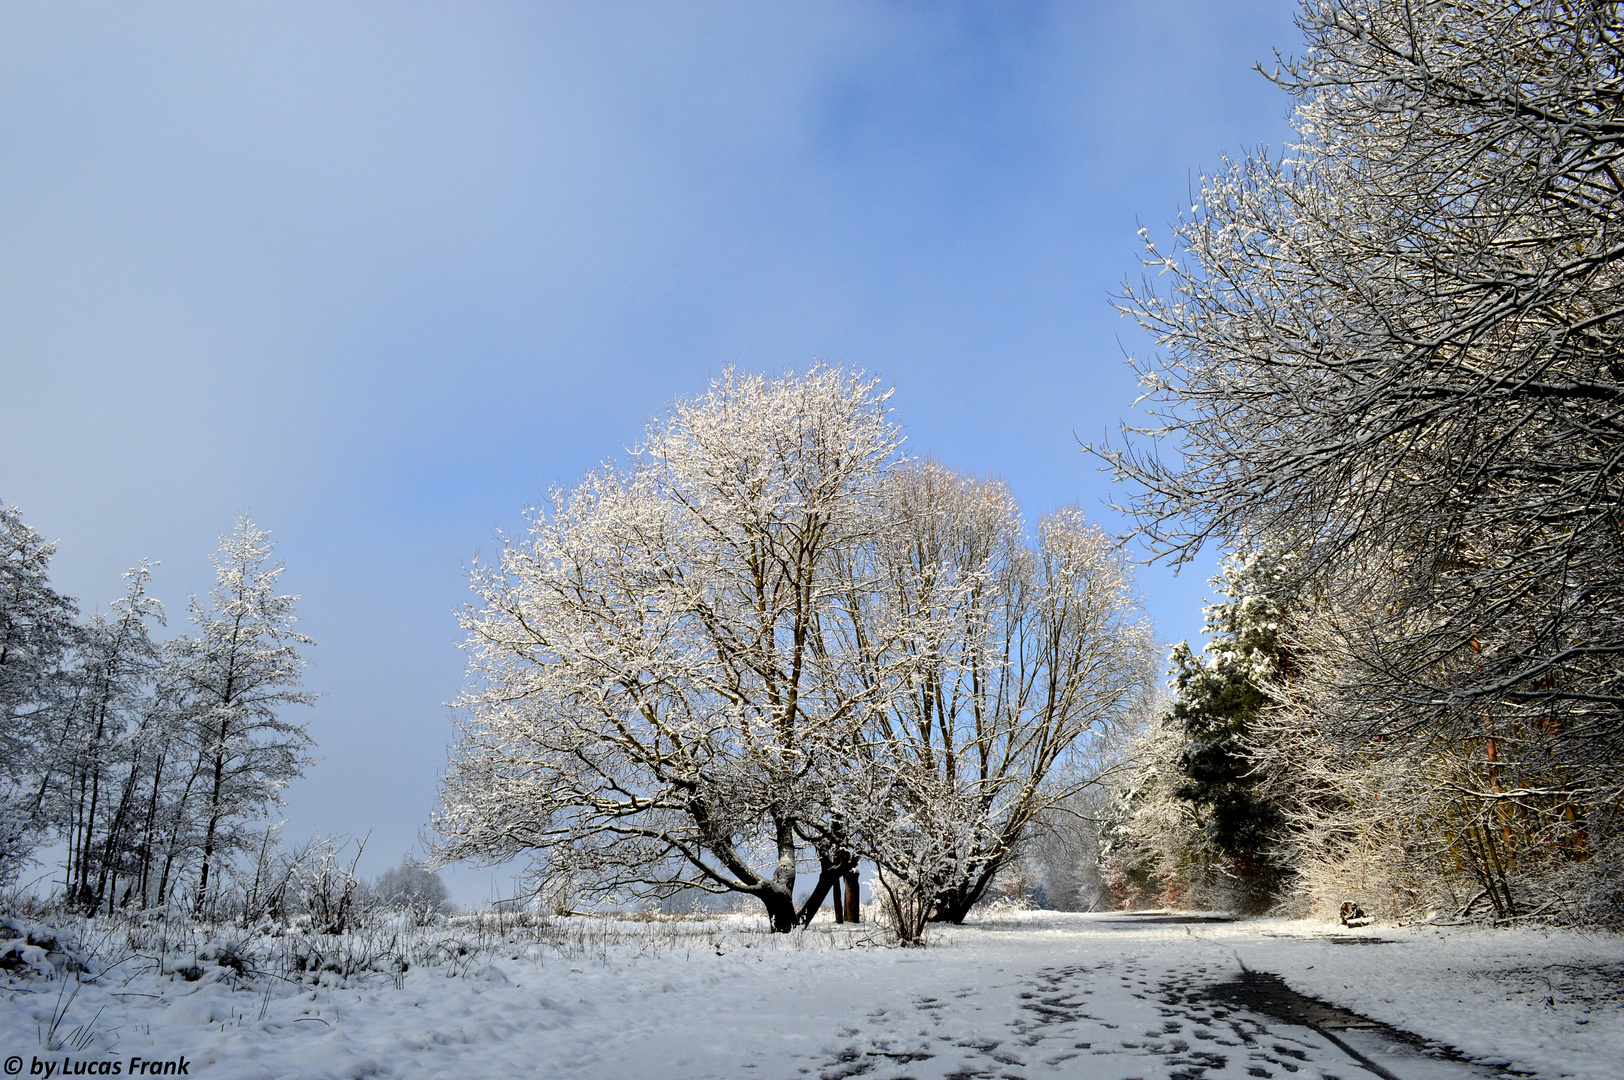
<point>1139,1017</point>
<point>1038,995</point>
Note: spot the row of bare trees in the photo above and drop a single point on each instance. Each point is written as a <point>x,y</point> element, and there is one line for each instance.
<point>146,763</point>
<point>772,643</point>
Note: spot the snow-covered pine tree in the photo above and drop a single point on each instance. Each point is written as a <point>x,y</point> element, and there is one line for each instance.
<point>1195,817</point>
<point>1217,700</point>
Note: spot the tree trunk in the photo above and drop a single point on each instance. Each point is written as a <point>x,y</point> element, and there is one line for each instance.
<point>779,897</point>
<point>203,875</point>
<point>150,829</point>
<point>854,896</point>
<point>88,896</point>
<point>953,905</point>
<point>107,882</point>
<point>829,878</point>
<point>780,909</point>
<point>214,818</point>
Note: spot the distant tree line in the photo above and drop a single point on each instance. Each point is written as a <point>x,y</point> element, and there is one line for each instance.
<point>1391,381</point>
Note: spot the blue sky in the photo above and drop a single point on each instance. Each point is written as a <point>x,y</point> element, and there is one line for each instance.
<point>382,274</point>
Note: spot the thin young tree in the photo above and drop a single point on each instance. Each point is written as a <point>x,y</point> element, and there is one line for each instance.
<point>235,676</point>
<point>96,779</point>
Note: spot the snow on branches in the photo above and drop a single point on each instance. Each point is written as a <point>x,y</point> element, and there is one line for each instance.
<point>144,763</point>
<point>1398,344</point>
<point>771,636</point>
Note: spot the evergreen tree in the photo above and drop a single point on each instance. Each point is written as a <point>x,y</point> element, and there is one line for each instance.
<point>1218,700</point>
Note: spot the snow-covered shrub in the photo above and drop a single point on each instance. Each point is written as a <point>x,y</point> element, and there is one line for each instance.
<point>30,949</point>
<point>414,888</point>
<point>217,959</point>
<point>329,891</point>
<point>1477,822</point>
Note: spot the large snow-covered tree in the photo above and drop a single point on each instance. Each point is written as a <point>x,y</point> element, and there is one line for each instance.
<point>1399,343</point>
<point>658,672</point>
<point>771,641</point>
<point>1020,658</point>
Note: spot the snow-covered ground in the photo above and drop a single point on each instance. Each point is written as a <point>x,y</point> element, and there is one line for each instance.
<point>1107,997</point>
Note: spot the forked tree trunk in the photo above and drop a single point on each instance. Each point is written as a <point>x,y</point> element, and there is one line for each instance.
<point>780,909</point>
<point>953,905</point>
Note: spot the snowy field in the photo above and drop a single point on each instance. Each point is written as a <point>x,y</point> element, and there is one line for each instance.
<point>1035,994</point>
